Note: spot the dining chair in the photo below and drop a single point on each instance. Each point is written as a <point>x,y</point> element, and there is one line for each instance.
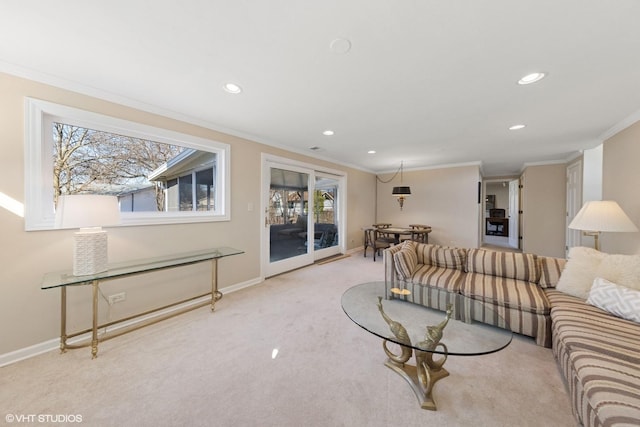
<point>420,237</point>
<point>390,238</point>
<point>371,239</point>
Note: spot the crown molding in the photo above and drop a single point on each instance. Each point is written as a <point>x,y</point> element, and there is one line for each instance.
<point>620,126</point>
<point>443,166</point>
<point>543,163</point>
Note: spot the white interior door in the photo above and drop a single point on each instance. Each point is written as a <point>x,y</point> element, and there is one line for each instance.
<point>514,212</point>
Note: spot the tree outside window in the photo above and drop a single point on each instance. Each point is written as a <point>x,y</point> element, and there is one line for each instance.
<point>87,161</point>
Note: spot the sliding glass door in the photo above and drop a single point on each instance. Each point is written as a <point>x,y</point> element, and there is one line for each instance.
<point>302,216</point>
<point>326,221</point>
<point>287,221</point>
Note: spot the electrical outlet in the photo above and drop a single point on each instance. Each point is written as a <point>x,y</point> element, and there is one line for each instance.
<point>117,298</point>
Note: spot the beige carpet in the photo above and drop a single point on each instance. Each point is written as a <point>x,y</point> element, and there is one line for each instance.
<point>204,369</point>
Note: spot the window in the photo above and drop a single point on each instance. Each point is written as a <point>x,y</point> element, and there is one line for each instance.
<point>159,176</point>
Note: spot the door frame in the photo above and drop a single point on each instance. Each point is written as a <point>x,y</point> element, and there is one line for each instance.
<point>339,248</point>
<point>494,180</point>
<point>514,213</point>
<point>270,160</point>
<point>573,203</point>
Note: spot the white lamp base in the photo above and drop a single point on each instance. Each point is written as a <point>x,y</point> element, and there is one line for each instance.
<point>90,251</point>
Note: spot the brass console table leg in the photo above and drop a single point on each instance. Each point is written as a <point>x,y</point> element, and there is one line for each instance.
<point>216,295</point>
<point>421,377</point>
<point>63,319</point>
<point>94,327</point>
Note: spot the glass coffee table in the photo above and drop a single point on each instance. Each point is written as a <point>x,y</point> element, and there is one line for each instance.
<point>422,332</point>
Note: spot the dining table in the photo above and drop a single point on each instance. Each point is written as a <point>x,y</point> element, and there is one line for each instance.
<point>405,231</point>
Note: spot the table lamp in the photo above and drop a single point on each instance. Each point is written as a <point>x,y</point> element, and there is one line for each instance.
<point>601,215</point>
<point>88,212</point>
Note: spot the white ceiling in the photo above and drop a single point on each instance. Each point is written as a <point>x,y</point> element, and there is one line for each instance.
<point>428,82</point>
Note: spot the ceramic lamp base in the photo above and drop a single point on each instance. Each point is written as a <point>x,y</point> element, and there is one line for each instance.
<point>90,251</point>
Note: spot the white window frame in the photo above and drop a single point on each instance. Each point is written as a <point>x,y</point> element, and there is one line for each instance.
<point>39,117</point>
<point>194,195</point>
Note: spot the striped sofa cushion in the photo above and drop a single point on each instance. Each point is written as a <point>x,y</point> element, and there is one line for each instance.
<point>599,356</point>
<point>522,322</point>
<point>449,279</point>
<point>441,256</point>
<point>509,265</point>
<point>609,389</point>
<point>550,270</point>
<point>506,292</point>
<point>433,297</point>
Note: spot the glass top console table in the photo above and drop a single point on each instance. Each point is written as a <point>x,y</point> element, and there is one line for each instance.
<point>63,279</point>
<point>422,332</point>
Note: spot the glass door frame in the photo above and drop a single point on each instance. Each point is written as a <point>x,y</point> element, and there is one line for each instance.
<point>269,161</point>
<point>320,253</point>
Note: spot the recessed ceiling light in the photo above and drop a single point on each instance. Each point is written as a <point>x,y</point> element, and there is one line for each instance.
<point>531,78</point>
<point>232,88</point>
<point>371,152</point>
<point>328,132</point>
<point>516,127</point>
<point>340,46</point>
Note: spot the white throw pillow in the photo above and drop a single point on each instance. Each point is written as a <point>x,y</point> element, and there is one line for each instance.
<point>580,271</point>
<point>621,269</point>
<point>615,299</point>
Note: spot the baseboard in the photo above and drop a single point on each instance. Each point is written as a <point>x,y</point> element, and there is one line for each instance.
<point>354,250</point>
<point>27,352</point>
<point>54,343</point>
<point>242,285</point>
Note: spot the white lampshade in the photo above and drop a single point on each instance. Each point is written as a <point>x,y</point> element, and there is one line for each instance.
<point>602,215</point>
<point>89,212</point>
<point>86,210</point>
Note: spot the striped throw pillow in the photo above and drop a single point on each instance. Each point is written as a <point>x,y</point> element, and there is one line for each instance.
<point>615,299</point>
<point>550,271</point>
<point>405,261</point>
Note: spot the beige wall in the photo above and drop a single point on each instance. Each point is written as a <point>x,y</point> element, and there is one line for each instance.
<point>621,177</point>
<point>543,205</point>
<point>446,199</point>
<point>29,315</point>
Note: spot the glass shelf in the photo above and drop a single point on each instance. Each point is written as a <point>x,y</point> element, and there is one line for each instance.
<point>66,277</point>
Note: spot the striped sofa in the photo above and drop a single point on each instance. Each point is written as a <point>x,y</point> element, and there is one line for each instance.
<point>599,357</point>
<point>598,353</point>
<point>510,284</point>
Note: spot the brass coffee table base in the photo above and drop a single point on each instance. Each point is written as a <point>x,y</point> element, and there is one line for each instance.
<point>422,376</point>
<point>412,331</point>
